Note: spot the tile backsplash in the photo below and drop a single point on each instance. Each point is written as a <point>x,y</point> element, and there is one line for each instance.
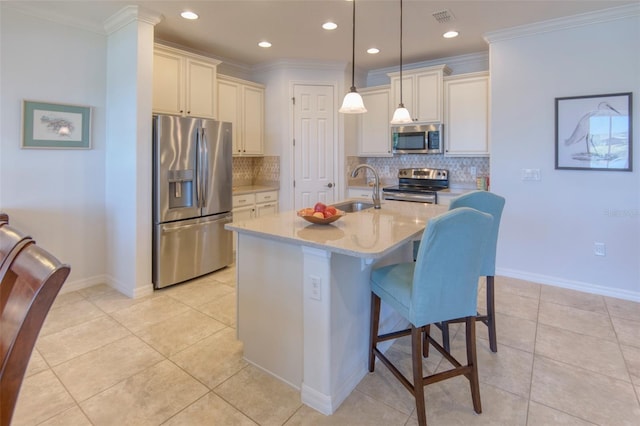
<point>256,171</point>
<point>387,167</point>
<point>266,170</point>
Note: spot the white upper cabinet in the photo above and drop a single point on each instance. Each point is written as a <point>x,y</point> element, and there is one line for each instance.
<point>374,139</point>
<point>466,116</point>
<point>421,92</point>
<point>241,103</point>
<point>183,83</point>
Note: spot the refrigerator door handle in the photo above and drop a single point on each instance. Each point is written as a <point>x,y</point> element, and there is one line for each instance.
<point>168,230</point>
<point>205,169</point>
<point>197,171</point>
<point>199,176</point>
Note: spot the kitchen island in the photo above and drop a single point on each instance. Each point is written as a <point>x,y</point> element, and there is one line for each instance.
<point>304,296</point>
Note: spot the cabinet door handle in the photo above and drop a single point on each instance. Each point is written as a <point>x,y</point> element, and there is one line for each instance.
<point>329,185</point>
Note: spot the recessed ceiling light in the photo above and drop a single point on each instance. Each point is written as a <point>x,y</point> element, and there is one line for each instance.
<point>264,44</point>
<point>187,14</point>
<point>450,34</point>
<point>373,50</point>
<point>329,25</point>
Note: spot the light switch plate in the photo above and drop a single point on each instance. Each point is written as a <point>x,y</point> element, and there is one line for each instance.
<point>316,288</point>
<point>530,174</point>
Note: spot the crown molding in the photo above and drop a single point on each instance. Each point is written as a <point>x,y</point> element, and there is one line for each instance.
<point>296,64</point>
<point>475,61</point>
<point>580,20</point>
<point>129,14</point>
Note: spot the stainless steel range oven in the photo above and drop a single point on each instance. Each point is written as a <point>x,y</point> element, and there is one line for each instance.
<point>418,185</point>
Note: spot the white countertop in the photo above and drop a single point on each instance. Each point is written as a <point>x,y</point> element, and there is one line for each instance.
<point>247,189</point>
<point>369,233</point>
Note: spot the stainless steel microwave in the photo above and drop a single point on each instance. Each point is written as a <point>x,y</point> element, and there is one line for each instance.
<point>417,139</point>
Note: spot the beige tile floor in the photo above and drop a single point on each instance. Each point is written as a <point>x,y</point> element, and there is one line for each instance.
<point>564,358</point>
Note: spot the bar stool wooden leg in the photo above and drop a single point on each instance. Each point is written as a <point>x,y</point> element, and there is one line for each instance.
<point>418,382</point>
<point>470,333</point>
<point>445,336</point>
<point>425,340</point>
<point>491,315</point>
<point>373,333</point>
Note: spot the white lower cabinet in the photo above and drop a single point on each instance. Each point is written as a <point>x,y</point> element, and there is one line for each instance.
<point>244,213</point>
<point>244,200</point>
<point>360,193</point>
<point>252,205</point>
<point>446,199</point>
<point>266,203</point>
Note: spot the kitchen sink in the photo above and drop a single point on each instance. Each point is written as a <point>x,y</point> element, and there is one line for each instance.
<point>353,206</point>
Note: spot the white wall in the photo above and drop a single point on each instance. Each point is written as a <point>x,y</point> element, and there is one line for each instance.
<point>55,195</point>
<point>90,208</point>
<point>549,226</point>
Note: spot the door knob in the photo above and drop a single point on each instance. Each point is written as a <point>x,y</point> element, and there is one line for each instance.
<point>329,185</point>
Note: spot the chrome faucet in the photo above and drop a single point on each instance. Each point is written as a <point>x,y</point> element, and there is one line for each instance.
<point>376,186</point>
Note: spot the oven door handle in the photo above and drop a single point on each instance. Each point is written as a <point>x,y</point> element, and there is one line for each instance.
<point>418,198</point>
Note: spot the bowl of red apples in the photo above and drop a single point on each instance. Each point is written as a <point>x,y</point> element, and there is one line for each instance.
<point>320,214</point>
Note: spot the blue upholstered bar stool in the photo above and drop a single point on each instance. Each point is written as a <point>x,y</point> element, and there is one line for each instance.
<point>493,204</point>
<point>441,285</point>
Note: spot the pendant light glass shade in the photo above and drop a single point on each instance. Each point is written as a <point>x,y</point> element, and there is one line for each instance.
<point>353,103</point>
<point>401,114</point>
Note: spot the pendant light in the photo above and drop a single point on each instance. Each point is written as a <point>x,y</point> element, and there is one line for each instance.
<point>352,103</point>
<point>401,114</point>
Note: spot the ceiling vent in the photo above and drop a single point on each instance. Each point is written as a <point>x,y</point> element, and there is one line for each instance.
<point>443,16</point>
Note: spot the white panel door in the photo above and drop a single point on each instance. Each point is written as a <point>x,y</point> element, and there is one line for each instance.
<point>314,147</point>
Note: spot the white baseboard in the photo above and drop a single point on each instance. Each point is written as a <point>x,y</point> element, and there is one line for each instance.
<point>75,285</point>
<point>328,404</point>
<point>127,291</point>
<point>569,284</point>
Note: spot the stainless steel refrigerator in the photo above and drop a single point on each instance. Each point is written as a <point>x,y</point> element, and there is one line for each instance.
<point>191,198</point>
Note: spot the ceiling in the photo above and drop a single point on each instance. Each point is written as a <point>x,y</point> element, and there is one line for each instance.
<point>230,30</point>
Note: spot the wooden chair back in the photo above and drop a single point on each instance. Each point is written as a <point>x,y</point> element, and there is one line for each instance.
<point>31,282</point>
<point>9,239</point>
<point>4,218</point>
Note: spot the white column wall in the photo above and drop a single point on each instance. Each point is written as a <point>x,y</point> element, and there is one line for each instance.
<point>128,156</point>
